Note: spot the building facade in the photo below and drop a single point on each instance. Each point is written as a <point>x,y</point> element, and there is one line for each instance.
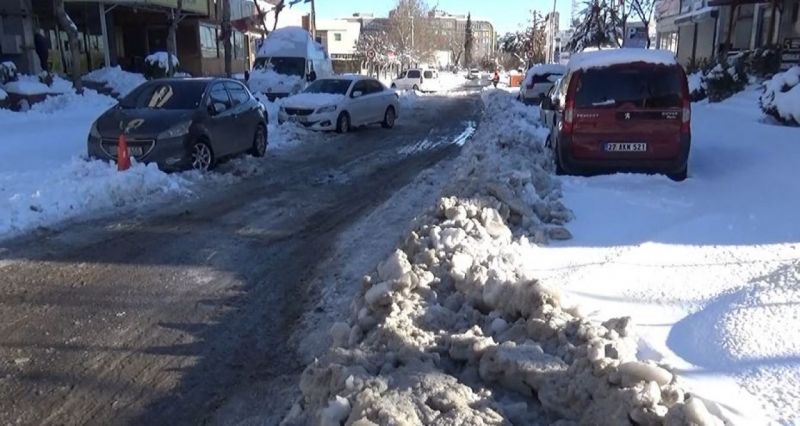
<point>698,30</point>
<point>454,27</point>
<point>339,37</point>
<point>124,32</point>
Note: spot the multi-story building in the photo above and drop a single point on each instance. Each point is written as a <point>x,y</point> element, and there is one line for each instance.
<point>339,37</point>
<point>124,32</point>
<point>453,27</point>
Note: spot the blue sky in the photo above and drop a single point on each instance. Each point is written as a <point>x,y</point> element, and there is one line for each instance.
<point>506,15</point>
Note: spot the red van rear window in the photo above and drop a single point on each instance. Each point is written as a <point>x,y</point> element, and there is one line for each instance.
<point>642,86</point>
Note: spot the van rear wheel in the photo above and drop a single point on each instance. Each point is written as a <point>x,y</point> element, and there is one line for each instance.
<point>681,175</point>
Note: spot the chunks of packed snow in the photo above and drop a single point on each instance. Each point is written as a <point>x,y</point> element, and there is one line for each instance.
<point>161,59</point>
<point>120,81</point>
<point>312,100</point>
<point>3,95</point>
<point>450,329</point>
<point>268,81</point>
<point>609,57</point>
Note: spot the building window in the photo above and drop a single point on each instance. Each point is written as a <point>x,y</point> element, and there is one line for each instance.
<point>239,51</point>
<point>337,36</point>
<point>208,41</point>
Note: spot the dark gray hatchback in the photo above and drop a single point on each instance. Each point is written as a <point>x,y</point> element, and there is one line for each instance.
<point>183,124</point>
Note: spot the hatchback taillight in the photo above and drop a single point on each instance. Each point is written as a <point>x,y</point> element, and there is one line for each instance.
<point>686,117</point>
<point>569,117</point>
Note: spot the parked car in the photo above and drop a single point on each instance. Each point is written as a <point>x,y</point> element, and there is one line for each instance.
<point>287,61</point>
<point>417,79</point>
<point>341,103</point>
<point>182,124</point>
<point>548,114</point>
<point>538,81</point>
<point>622,110</point>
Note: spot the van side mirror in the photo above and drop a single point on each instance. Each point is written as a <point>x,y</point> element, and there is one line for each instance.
<point>312,76</point>
<point>547,103</point>
<point>246,76</point>
<point>556,103</point>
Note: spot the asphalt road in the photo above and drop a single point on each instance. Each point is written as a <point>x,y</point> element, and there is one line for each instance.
<point>159,318</point>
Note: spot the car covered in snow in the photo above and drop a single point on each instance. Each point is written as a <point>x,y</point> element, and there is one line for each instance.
<point>538,81</point>
<point>622,110</point>
<point>341,103</point>
<point>182,123</point>
<point>287,61</point>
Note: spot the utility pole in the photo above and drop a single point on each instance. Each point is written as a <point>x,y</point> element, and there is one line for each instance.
<point>552,51</point>
<point>313,21</point>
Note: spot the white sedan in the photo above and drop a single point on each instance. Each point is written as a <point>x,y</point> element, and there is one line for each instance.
<point>341,103</point>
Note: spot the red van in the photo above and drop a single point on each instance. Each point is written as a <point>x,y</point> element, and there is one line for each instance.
<point>622,110</point>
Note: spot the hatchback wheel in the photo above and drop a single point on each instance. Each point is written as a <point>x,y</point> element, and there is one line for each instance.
<point>343,123</point>
<point>389,118</point>
<point>202,156</point>
<point>259,148</point>
<point>416,88</point>
<point>394,86</point>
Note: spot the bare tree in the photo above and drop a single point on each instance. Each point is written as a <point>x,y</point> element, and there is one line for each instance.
<point>278,8</point>
<point>599,26</point>
<point>455,44</point>
<point>225,35</point>
<point>644,10</point>
<point>175,17</point>
<point>411,31</point>
<point>74,48</point>
<point>527,45</point>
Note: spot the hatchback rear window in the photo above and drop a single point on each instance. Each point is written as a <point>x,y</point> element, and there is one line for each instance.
<point>427,74</point>
<point>413,74</point>
<point>643,87</point>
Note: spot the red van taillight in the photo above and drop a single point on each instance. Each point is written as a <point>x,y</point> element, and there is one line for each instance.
<point>686,117</point>
<point>569,117</point>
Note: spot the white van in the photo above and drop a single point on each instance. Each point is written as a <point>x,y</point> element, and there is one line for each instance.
<point>424,80</point>
<point>286,62</point>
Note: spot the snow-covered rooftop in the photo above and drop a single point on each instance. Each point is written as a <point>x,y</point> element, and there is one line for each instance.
<point>289,42</point>
<point>607,58</point>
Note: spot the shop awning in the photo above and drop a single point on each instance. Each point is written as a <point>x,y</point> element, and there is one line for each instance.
<point>199,7</point>
<point>698,15</point>
<point>734,2</point>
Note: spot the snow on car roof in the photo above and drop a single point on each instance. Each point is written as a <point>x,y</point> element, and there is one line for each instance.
<point>607,58</point>
<point>543,69</point>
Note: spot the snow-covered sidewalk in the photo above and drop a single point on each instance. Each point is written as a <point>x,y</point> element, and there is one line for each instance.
<point>709,269</point>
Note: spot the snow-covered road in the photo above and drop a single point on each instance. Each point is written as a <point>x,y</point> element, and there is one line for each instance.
<point>709,269</point>
<point>182,310</point>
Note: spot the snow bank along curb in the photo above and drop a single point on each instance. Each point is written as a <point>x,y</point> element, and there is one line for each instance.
<point>781,98</point>
<point>449,330</point>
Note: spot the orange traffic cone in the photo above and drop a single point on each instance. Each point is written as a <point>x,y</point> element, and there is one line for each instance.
<point>123,158</point>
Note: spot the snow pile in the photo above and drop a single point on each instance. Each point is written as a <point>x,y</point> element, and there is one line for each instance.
<point>781,97</point>
<point>121,82</point>
<point>312,100</point>
<point>450,330</point>
<point>27,87</point>
<point>408,99</point>
<point>161,60</point>
<point>606,58</point>
<point>268,81</point>
<point>8,72</point>
<point>3,95</point>
<point>697,86</point>
<point>79,187</point>
<point>60,103</point>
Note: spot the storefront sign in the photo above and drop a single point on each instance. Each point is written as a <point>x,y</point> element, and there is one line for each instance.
<point>791,53</point>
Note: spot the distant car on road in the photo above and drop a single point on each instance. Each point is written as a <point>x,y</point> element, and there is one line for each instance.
<point>183,124</point>
<point>341,103</point>
<point>423,80</point>
<point>621,110</point>
<point>538,81</point>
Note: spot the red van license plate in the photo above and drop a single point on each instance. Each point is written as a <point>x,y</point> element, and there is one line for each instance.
<point>626,147</point>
